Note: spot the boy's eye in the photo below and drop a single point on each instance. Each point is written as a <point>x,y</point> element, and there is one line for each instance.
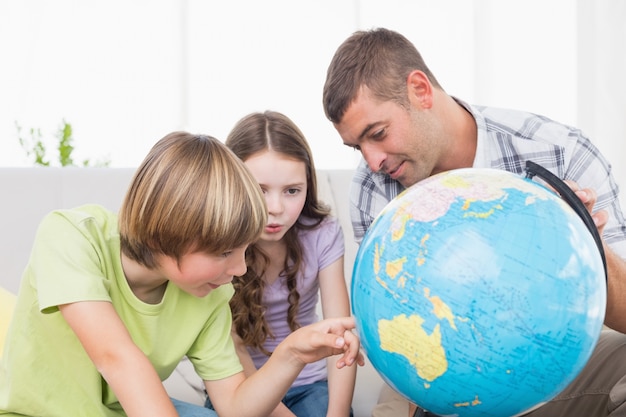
<point>226,254</point>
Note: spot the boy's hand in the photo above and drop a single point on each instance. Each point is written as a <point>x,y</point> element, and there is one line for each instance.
<point>326,338</point>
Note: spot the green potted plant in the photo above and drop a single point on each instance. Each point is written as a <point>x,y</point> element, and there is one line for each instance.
<point>36,147</point>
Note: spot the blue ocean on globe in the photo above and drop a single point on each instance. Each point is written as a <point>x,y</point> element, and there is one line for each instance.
<point>478,292</point>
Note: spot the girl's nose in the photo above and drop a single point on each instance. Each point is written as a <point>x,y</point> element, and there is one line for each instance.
<point>274,203</point>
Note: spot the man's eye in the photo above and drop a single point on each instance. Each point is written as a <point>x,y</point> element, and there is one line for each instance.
<point>379,134</point>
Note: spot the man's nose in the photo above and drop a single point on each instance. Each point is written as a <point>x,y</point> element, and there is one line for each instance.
<point>374,157</point>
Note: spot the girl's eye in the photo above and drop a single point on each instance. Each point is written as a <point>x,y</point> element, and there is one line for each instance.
<point>293,191</point>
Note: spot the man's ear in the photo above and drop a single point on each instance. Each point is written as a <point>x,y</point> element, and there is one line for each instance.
<point>419,89</point>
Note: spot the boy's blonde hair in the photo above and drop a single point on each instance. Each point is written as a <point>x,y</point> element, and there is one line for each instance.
<point>191,193</point>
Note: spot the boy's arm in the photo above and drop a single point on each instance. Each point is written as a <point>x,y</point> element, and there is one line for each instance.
<point>335,303</point>
<point>233,395</point>
<point>249,368</point>
<point>120,362</point>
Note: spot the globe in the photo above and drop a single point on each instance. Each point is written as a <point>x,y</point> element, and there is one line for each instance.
<point>478,292</point>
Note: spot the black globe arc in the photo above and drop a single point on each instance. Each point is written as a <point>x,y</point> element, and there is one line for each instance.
<point>567,194</point>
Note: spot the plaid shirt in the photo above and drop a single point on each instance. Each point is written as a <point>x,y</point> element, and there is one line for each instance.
<point>506,140</point>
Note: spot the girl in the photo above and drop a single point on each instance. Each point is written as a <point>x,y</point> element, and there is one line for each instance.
<point>300,252</point>
<point>108,306</point>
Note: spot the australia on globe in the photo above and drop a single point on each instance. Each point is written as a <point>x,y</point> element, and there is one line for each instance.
<point>478,292</point>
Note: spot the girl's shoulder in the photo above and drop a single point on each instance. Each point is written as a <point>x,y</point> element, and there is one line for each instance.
<point>328,223</point>
<point>328,229</point>
<point>323,244</point>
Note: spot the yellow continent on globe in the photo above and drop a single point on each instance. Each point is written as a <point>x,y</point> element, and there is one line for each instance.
<point>405,336</point>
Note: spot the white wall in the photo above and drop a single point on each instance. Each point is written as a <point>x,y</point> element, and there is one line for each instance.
<point>601,84</point>
<point>126,73</point>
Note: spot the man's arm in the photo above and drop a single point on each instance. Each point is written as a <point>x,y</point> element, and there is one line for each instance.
<point>615,317</point>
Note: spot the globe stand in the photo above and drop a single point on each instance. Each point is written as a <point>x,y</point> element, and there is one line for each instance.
<point>570,198</point>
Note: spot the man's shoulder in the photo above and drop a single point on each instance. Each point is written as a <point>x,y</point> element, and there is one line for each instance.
<point>520,123</point>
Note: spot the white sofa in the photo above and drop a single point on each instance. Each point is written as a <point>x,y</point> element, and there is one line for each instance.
<point>29,193</point>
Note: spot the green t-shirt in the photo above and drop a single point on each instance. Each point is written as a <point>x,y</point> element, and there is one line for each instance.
<point>76,257</point>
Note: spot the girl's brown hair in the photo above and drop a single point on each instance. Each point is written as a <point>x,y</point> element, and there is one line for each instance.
<point>254,133</point>
<point>191,193</point>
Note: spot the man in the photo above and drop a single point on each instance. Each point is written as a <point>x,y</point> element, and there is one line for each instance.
<point>385,102</point>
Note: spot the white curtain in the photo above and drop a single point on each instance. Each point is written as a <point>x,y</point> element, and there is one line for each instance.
<point>602,79</point>
<point>125,76</point>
